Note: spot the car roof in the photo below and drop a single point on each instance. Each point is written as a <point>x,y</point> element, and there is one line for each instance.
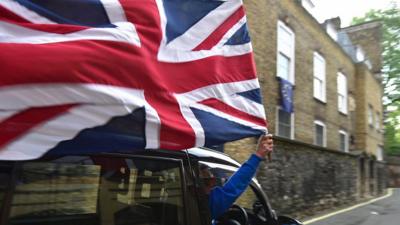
<point>212,155</point>
<point>200,153</point>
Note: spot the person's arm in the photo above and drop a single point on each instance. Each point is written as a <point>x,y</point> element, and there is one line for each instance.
<point>221,198</point>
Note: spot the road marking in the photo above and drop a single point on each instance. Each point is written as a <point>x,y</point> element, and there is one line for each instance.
<point>390,192</point>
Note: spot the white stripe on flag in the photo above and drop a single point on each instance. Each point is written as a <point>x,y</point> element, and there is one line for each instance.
<point>19,97</point>
<point>6,114</point>
<point>179,50</point>
<point>245,105</point>
<point>114,10</point>
<point>65,127</point>
<point>202,29</point>
<point>231,32</point>
<point>152,129</point>
<point>192,120</point>
<point>124,32</point>
<point>220,90</point>
<point>228,117</point>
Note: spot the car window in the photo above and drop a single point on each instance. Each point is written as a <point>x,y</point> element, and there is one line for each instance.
<point>98,191</point>
<point>220,176</point>
<point>4,180</point>
<point>246,199</point>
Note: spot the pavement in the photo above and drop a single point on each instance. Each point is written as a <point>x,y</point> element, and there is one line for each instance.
<point>381,211</point>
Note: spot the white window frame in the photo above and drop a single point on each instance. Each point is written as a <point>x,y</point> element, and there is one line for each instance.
<point>320,123</point>
<point>346,140</point>
<point>379,153</point>
<point>320,76</point>
<point>370,116</point>
<point>285,50</point>
<point>308,5</point>
<point>291,123</point>
<point>342,108</point>
<point>378,121</point>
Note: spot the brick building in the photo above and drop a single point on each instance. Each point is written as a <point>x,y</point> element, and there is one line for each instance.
<point>337,105</point>
<point>335,73</point>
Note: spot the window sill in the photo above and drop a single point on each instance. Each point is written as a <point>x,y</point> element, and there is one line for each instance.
<point>320,100</point>
<point>343,113</point>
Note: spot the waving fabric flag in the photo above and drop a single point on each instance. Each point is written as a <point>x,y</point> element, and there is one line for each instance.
<point>286,94</point>
<point>107,75</point>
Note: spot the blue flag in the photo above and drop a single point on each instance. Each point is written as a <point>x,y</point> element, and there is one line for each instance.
<point>286,91</point>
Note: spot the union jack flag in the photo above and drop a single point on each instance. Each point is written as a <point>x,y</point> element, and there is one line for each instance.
<point>105,75</point>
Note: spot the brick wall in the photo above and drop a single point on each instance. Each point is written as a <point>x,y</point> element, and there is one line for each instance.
<point>369,36</point>
<point>369,93</point>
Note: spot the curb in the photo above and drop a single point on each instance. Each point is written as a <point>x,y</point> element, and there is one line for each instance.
<point>390,192</point>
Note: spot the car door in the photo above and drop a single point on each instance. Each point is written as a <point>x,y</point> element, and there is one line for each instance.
<point>252,200</point>
<point>95,190</point>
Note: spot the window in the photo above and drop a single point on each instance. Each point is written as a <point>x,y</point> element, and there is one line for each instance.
<point>360,54</point>
<point>378,121</point>
<point>379,153</point>
<point>319,77</point>
<point>285,53</point>
<point>342,92</point>
<point>370,116</point>
<point>308,5</point>
<point>218,175</point>
<point>285,124</point>
<point>283,66</point>
<point>344,141</point>
<point>320,133</point>
<point>98,190</point>
<point>331,30</point>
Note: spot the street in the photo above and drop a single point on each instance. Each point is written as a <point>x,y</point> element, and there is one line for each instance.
<point>381,212</point>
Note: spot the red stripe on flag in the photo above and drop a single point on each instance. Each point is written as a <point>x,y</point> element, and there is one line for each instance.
<point>175,131</point>
<point>223,107</point>
<point>20,123</point>
<point>217,35</point>
<point>9,16</point>
<point>115,63</point>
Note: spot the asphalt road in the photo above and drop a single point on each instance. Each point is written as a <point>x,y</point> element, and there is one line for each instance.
<point>383,212</point>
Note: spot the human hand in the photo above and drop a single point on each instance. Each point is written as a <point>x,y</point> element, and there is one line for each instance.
<point>265,146</point>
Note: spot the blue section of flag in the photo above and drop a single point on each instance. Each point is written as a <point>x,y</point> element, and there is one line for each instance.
<point>286,92</point>
<point>254,95</point>
<point>183,14</point>
<point>84,13</point>
<point>119,134</point>
<point>241,36</point>
<point>218,130</point>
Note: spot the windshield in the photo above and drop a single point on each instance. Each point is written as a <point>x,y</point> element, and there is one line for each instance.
<point>97,190</point>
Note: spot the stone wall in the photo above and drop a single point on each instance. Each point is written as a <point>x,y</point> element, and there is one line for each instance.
<point>303,180</point>
<point>393,168</point>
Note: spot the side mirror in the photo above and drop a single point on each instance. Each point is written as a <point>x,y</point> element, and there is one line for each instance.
<point>284,220</point>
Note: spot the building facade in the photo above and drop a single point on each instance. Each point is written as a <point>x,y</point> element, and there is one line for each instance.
<point>322,94</point>
<point>334,74</point>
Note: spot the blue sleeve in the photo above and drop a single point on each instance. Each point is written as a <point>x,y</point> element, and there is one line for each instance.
<point>221,198</point>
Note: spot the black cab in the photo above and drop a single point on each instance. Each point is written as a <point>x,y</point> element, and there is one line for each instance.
<point>151,187</point>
